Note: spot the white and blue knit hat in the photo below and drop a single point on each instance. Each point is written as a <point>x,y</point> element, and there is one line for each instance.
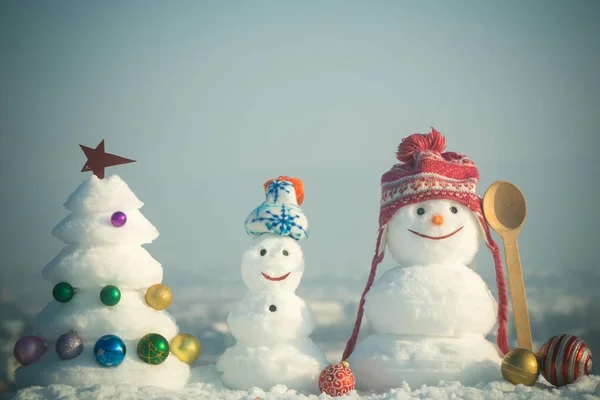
<point>280,214</point>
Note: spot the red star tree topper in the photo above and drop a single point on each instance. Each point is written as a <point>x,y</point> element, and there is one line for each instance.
<point>98,160</point>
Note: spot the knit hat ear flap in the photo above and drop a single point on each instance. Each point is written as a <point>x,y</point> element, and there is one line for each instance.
<point>377,258</point>
<point>502,336</point>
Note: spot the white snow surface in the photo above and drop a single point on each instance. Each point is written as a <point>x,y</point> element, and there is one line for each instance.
<point>382,360</point>
<point>432,300</point>
<point>252,322</point>
<point>126,267</point>
<point>96,195</point>
<point>295,364</point>
<point>205,384</point>
<point>97,230</point>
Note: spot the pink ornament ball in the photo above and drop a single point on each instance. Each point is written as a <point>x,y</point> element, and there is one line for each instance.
<point>118,219</point>
<point>29,349</point>
<point>337,379</point>
<point>564,358</point>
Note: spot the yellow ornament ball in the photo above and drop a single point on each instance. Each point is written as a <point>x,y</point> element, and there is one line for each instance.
<point>186,347</point>
<point>159,296</point>
<point>521,366</point>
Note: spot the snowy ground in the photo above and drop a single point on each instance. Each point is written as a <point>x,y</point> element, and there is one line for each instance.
<point>202,310</point>
<point>206,385</point>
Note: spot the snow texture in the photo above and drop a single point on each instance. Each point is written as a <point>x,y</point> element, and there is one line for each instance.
<point>270,317</point>
<point>127,267</point>
<point>433,300</point>
<point>271,324</point>
<point>410,249</point>
<point>99,254</point>
<point>383,360</point>
<point>131,318</point>
<point>96,195</point>
<point>280,256</point>
<point>431,314</point>
<point>205,384</point>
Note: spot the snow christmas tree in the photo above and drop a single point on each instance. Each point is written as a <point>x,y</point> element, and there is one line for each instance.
<point>107,323</point>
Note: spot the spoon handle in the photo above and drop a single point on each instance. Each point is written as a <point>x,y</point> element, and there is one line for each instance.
<point>517,291</point>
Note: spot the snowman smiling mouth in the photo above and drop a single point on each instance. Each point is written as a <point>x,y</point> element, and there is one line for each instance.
<point>276,279</point>
<point>435,237</point>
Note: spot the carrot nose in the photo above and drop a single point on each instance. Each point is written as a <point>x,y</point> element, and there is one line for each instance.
<point>437,219</point>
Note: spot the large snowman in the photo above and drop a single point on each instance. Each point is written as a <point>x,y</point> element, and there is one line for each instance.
<point>271,324</point>
<point>430,314</point>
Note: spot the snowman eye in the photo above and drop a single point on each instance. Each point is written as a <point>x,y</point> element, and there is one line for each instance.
<point>272,308</point>
<point>263,252</point>
<point>420,211</point>
<point>285,253</point>
<point>453,210</point>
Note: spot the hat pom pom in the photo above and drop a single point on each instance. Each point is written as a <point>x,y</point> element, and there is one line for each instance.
<point>433,141</point>
<point>298,186</point>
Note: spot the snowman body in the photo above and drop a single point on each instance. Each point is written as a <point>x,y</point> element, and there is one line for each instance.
<point>431,314</point>
<point>271,324</point>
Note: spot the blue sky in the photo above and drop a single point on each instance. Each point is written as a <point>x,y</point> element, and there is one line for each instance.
<point>214,98</point>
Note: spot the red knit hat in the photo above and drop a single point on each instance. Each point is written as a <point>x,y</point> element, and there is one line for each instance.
<point>426,173</point>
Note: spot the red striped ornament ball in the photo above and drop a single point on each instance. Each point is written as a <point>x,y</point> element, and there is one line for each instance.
<point>565,358</point>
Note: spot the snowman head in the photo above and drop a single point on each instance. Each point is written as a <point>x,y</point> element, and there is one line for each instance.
<point>433,232</point>
<point>273,263</point>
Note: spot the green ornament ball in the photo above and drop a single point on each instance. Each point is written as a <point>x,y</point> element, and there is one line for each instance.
<point>63,292</point>
<point>110,295</point>
<point>153,349</point>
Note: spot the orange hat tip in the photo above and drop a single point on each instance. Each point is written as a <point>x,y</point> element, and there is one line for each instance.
<point>298,186</point>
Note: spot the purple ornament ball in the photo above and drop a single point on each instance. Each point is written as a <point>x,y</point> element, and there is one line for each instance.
<point>118,219</point>
<point>29,349</point>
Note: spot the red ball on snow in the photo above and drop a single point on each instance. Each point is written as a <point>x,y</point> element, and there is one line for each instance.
<point>337,379</point>
<point>565,358</point>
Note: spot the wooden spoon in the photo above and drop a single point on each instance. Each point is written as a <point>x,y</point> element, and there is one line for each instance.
<point>505,210</point>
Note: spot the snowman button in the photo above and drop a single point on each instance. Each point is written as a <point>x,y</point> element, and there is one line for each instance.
<point>272,308</point>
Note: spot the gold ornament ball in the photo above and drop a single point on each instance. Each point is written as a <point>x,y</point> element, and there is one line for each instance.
<point>186,347</point>
<point>521,366</point>
<point>159,296</point>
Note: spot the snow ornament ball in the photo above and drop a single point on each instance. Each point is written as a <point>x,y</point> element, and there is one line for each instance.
<point>159,296</point>
<point>521,366</point>
<point>29,349</point>
<point>63,292</point>
<point>153,349</point>
<point>110,351</point>
<point>118,219</point>
<point>69,345</point>
<point>430,314</point>
<point>186,347</point>
<point>337,379</point>
<point>110,295</point>
<point>564,358</point>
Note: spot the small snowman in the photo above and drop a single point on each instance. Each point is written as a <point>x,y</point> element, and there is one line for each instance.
<point>271,324</point>
<point>430,314</point>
